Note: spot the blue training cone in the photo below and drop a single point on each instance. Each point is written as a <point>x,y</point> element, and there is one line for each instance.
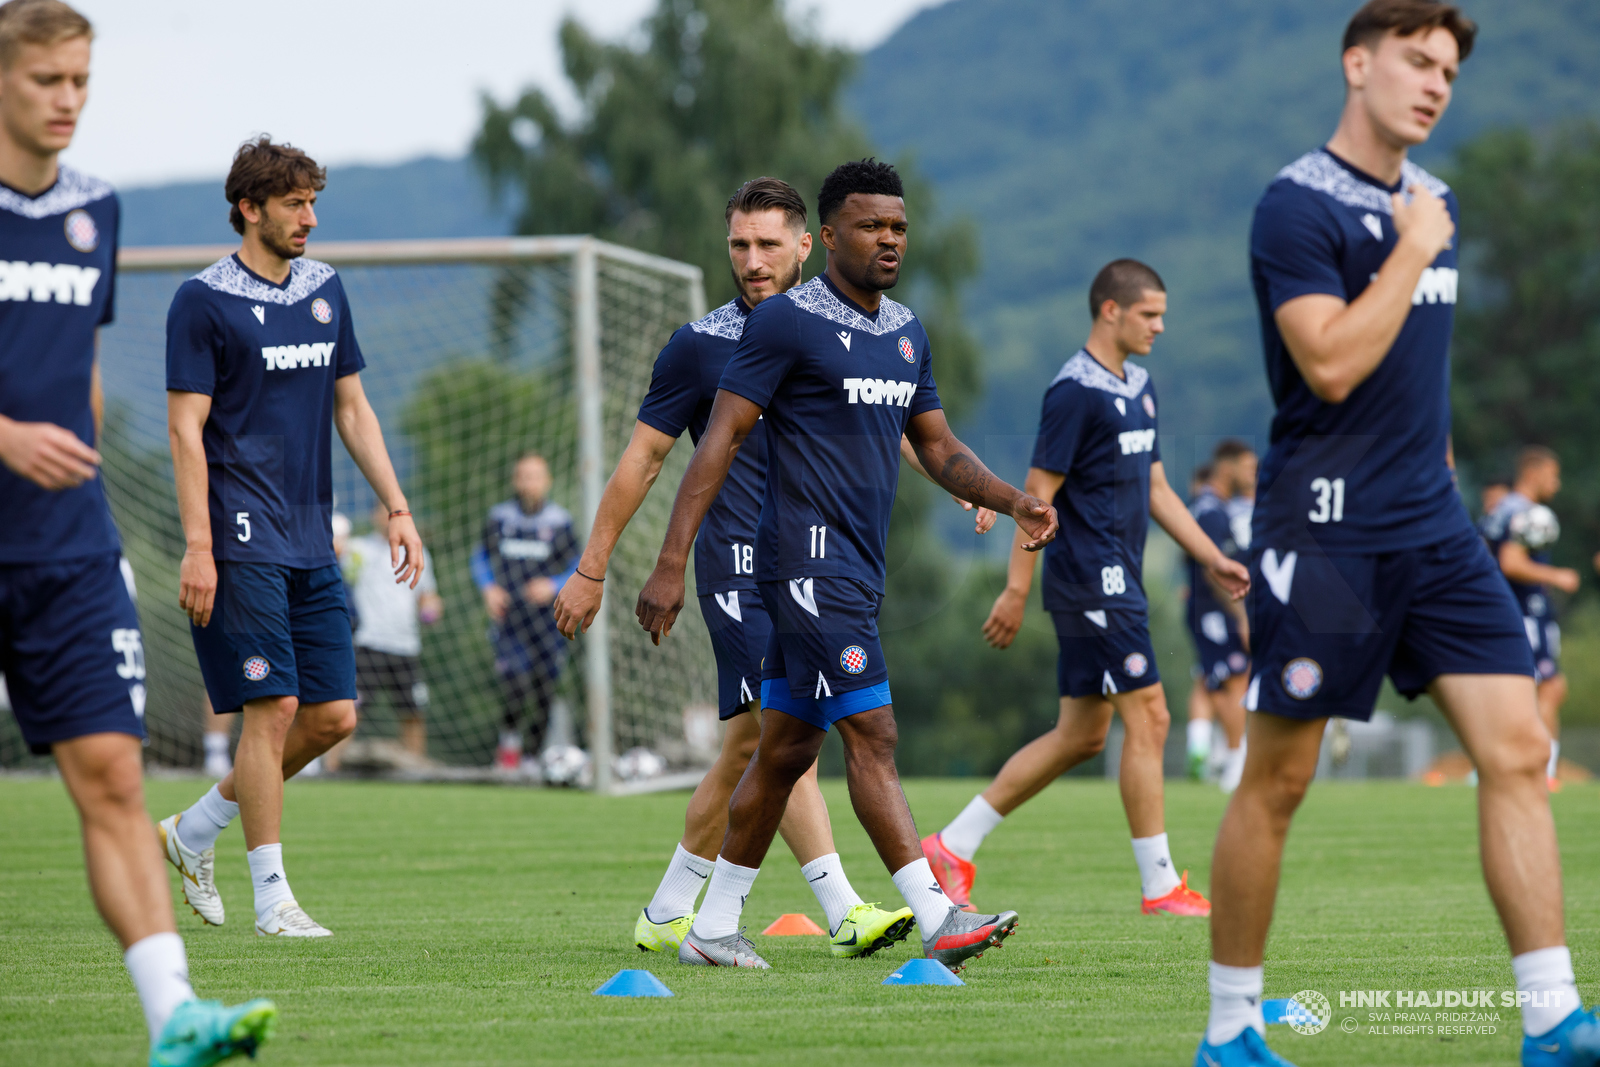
<point>633,984</point>
<point>922,971</point>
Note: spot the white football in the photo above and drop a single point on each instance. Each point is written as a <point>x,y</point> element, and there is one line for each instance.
<point>566,765</point>
<point>1536,528</point>
<point>639,763</point>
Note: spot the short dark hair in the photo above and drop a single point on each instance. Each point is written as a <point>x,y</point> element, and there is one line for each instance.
<point>1405,17</point>
<point>1230,448</point>
<point>1533,456</point>
<point>769,194</point>
<point>262,169</point>
<point>46,22</point>
<point>866,176</point>
<point>1124,281</point>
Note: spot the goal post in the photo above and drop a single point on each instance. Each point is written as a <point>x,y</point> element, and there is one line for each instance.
<point>477,350</point>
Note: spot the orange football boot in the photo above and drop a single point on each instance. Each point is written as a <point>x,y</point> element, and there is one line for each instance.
<point>1181,901</point>
<point>953,873</point>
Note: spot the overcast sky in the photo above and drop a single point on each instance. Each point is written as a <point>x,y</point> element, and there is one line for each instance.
<point>177,84</point>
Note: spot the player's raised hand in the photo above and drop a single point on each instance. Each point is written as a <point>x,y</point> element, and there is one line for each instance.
<point>1005,618</point>
<point>405,549</point>
<point>48,455</point>
<point>577,604</point>
<point>1233,576</point>
<point>1037,519</point>
<point>197,585</point>
<point>660,601</point>
<point>1424,222</point>
<point>984,519</point>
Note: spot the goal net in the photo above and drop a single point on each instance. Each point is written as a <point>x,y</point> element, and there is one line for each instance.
<point>477,351</point>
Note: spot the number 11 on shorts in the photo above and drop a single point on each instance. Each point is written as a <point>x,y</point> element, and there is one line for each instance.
<point>819,542</point>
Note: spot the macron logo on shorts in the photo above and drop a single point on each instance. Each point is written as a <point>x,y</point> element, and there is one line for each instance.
<point>804,595</point>
<point>65,283</point>
<point>289,357</point>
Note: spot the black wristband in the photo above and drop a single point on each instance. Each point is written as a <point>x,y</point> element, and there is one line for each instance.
<point>580,574</point>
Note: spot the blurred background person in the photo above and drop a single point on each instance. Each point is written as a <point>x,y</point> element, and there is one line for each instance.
<point>529,551</point>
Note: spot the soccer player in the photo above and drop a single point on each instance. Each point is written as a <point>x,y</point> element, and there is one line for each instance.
<point>1369,561</point>
<point>767,244</point>
<point>838,373</point>
<point>388,635</point>
<point>262,360</point>
<point>70,647</point>
<point>1524,557</point>
<point>1097,458</point>
<point>1217,624</point>
<point>527,554</point>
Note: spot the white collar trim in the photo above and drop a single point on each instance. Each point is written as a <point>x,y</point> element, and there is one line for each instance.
<point>306,276</point>
<point>71,190</point>
<point>1087,371</point>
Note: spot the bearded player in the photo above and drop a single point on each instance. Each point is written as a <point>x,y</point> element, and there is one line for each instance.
<point>1369,561</point>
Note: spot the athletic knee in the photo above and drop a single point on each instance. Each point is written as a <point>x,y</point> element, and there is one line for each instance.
<point>1523,752</point>
<point>274,715</point>
<point>332,723</point>
<point>1146,717</point>
<point>114,787</point>
<point>1284,786</point>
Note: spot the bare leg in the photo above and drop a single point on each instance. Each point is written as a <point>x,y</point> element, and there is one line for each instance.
<point>1146,720</point>
<point>880,804</point>
<point>788,747</point>
<point>1227,704</point>
<point>1200,706</point>
<point>279,738</point>
<point>104,773</point>
<point>1279,764</point>
<point>806,828</point>
<point>1080,734</point>
<point>1496,718</point>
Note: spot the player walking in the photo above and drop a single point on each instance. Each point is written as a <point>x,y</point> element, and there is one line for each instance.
<point>1097,458</point>
<point>1369,560</point>
<point>261,360</point>
<point>840,374</point>
<point>70,646</point>
<point>767,243</point>
<point>1520,543</point>
<point>1217,624</point>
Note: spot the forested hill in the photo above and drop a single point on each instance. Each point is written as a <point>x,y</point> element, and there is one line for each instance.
<point>1076,132</point>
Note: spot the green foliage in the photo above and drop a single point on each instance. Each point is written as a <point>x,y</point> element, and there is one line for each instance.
<point>1527,352</point>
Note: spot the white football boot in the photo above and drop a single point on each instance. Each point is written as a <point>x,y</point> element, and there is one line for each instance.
<point>198,870</point>
<point>288,919</point>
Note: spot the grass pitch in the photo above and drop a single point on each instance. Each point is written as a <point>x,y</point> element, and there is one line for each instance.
<point>472,924</point>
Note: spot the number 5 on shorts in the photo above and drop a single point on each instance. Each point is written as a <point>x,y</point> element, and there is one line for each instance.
<point>242,518</point>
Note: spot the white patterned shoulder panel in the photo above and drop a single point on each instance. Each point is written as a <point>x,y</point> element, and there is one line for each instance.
<point>1320,171</point>
<point>71,190</point>
<point>815,296</point>
<point>726,322</point>
<point>306,276</point>
<point>1086,371</point>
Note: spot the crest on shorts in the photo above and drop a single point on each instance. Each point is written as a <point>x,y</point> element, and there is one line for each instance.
<point>853,659</point>
<point>322,311</point>
<point>82,233</point>
<point>1135,665</point>
<point>1149,405</point>
<point>907,351</point>
<point>256,669</point>
<point>1302,678</point>
<point>1236,662</point>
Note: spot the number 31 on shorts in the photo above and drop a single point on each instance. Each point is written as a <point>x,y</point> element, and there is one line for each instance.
<point>1330,500</point>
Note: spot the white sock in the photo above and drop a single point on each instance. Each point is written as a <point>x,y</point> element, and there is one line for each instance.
<point>216,745</point>
<point>916,883</point>
<point>266,872</point>
<point>1546,974</point>
<point>1555,759</point>
<point>1235,1003</point>
<point>675,896</point>
<point>726,892</point>
<point>967,830</point>
<point>1199,737</point>
<point>1155,866</point>
<point>1233,764</point>
<point>834,891</point>
<point>160,972</point>
<point>206,818</point>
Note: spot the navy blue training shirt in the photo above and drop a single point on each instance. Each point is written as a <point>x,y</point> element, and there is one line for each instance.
<point>1534,600</point>
<point>838,386</point>
<point>58,260</point>
<point>683,387</point>
<point>1210,511</point>
<point>267,355</point>
<point>1370,474</point>
<point>1099,431</point>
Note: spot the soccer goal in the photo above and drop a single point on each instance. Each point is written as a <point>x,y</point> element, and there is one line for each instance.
<point>477,351</point>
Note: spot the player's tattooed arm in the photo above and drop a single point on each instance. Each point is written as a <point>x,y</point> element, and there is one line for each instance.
<point>964,475</point>
<point>984,518</point>
<point>732,419</point>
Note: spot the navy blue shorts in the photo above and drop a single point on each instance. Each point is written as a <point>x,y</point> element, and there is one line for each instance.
<point>526,642</point>
<point>823,660</point>
<point>740,629</point>
<point>276,631</point>
<point>70,650</point>
<point>1104,652</point>
<point>1329,627</point>
<point>1219,649</point>
<point>1544,637</point>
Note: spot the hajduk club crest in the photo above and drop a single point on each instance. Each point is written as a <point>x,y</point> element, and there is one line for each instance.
<point>853,659</point>
<point>907,350</point>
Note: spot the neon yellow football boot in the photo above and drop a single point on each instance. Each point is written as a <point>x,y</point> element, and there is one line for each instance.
<point>867,928</point>
<point>652,936</point>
